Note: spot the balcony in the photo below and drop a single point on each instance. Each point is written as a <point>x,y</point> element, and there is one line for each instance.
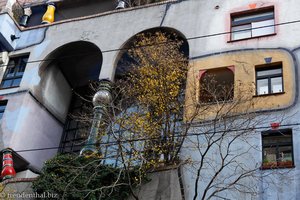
<point>70,9</point>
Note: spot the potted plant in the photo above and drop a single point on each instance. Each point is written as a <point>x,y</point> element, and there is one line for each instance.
<point>285,163</point>
<point>268,164</point>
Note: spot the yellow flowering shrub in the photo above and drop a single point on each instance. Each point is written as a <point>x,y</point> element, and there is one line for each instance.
<point>154,86</point>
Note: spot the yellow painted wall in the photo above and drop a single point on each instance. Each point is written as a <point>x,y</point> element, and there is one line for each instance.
<point>244,63</point>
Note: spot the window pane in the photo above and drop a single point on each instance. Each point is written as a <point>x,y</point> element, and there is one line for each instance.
<point>269,72</point>
<point>269,155</point>
<point>262,86</point>
<point>240,32</point>
<point>16,82</point>
<point>2,107</point>
<point>72,124</point>
<point>258,31</point>
<point>253,16</point>
<point>111,160</point>
<point>277,149</point>
<point>276,85</point>
<point>14,72</point>
<point>24,60</point>
<point>70,135</point>
<point>277,140</point>
<point>217,85</point>
<point>20,70</point>
<point>111,155</point>
<point>68,147</point>
<point>6,84</point>
<point>285,153</point>
<point>77,131</point>
<point>83,132</point>
<point>77,146</point>
<point>9,72</point>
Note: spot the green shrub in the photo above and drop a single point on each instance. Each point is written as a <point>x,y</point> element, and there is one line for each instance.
<point>77,177</point>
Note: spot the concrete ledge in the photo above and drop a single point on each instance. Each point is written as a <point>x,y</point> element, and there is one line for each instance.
<point>163,185</point>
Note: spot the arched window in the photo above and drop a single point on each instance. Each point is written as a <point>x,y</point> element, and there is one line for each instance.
<point>216,85</point>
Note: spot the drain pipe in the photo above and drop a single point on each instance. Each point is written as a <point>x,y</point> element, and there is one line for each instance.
<point>101,101</point>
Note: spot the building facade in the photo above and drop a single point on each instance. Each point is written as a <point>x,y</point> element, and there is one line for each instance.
<point>253,43</point>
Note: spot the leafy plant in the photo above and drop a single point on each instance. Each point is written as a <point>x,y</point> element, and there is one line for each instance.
<point>77,177</point>
<point>152,91</point>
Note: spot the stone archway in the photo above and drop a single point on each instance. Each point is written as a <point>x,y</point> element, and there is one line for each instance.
<point>123,59</point>
<point>64,87</point>
<point>122,65</point>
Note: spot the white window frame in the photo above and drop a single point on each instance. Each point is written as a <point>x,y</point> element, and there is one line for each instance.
<point>269,73</point>
<point>252,24</point>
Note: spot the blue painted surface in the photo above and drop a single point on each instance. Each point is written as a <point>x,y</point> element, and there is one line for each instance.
<point>7,28</point>
<point>268,60</point>
<point>25,38</point>
<point>30,38</point>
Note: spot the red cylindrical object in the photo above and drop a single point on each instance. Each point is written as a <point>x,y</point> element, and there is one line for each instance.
<point>275,125</point>
<point>7,162</point>
<point>8,170</point>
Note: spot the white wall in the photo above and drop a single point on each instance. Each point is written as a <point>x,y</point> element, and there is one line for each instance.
<point>27,125</point>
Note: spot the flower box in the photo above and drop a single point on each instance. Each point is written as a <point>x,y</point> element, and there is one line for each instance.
<point>279,164</point>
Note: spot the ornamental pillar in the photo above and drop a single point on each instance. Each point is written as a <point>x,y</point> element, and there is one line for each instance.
<point>48,17</point>
<point>8,170</point>
<point>121,4</point>
<point>101,101</point>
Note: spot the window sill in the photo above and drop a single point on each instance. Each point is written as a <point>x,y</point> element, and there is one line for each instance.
<point>9,87</point>
<point>267,167</point>
<point>271,94</point>
<point>230,41</point>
